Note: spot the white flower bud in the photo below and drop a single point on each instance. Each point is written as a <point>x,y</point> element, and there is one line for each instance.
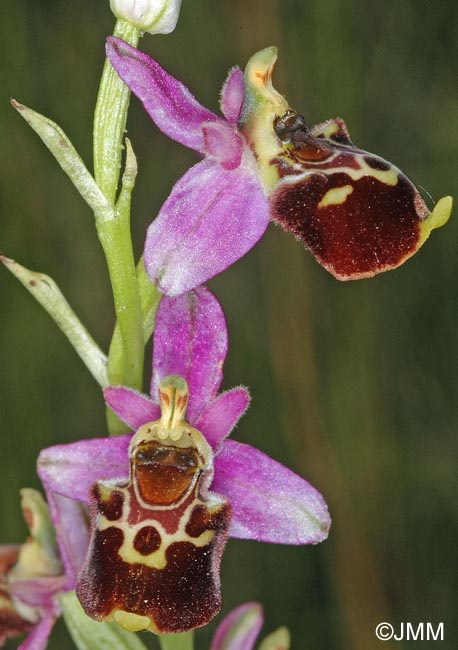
<point>153,16</point>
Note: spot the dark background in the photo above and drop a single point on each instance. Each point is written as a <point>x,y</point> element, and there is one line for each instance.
<point>354,385</point>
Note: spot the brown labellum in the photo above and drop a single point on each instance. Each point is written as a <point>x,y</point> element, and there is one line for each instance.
<point>157,540</point>
<point>357,213</point>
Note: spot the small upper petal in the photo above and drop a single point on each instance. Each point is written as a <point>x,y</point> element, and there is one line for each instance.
<point>167,101</point>
<point>212,218</point>
<point>270,502</point>
<point>232,95</point>
<point>239,629</point>
<point>221,415</point>
<point>223,143</point>
<point>132,407</point>
<point>190,339</point>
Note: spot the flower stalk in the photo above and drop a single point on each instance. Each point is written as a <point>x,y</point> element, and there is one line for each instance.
<point>110,119</point>
<point>114,235</point>
<point>184,641</point>
<point>125,363</point>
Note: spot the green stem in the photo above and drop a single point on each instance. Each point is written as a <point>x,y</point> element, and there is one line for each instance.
<point>183,641</point>
<point>110,119</point>
<point>114,234</point>
<point>149,302</point>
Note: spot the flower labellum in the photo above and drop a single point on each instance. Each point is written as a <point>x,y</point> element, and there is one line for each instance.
<point>358,214</point>
<point>153,16</point>
<point>153,561</point>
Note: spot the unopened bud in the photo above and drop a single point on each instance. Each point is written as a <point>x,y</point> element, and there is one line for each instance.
<point>153,16</point>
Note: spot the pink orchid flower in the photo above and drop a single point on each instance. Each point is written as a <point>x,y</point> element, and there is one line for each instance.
<point>31,577</point>
<point>358,214</point>
<point>269,502</point>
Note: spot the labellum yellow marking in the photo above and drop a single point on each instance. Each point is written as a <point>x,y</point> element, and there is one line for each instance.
<point>336,196</point>
<point>438,217</point>
<point>389,176</point>
<point>327,128</point>
<point>156,559</point>
<point>131,622</point>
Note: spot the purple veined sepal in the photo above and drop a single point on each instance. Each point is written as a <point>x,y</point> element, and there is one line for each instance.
<point>218,210</point>
<point>157,540</point>
<point>213,216</point>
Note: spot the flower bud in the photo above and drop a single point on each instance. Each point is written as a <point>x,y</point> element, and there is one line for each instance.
<point>153,16</point>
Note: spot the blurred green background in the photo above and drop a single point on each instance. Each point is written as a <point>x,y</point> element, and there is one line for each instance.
<point>354,385</point>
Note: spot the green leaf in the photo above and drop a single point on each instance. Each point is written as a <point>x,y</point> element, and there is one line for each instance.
<point>90,635</point>
<point>184,641</point>
<point>69,159</point>
<point>48,294</point>
<point>278,640</point>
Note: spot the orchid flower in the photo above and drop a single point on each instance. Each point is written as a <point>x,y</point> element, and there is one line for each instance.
<point>268,501</point>
<point>358,214</point>
<point>31,576</point>
<point>240,629</point>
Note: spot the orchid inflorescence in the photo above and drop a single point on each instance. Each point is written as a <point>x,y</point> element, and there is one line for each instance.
<point>138,522</point>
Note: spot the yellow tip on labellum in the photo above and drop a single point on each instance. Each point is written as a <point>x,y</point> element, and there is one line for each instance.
<point>438,217</point>
<point>131,622</point>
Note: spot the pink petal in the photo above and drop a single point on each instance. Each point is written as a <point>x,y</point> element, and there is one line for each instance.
<point>70,519</point>
<point>37,592</point>
<point>224,144</point>
<point>190,340</point>
<point>70,470</point>
<point>270,502</point>
<point>232,95</point>
<point>67,473</point>
<point>221,416</point>
<point>239,629</point>
<point>167,101</point>
<point>211,219</point>
<point>132,407</point>
<point>37,639</point>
